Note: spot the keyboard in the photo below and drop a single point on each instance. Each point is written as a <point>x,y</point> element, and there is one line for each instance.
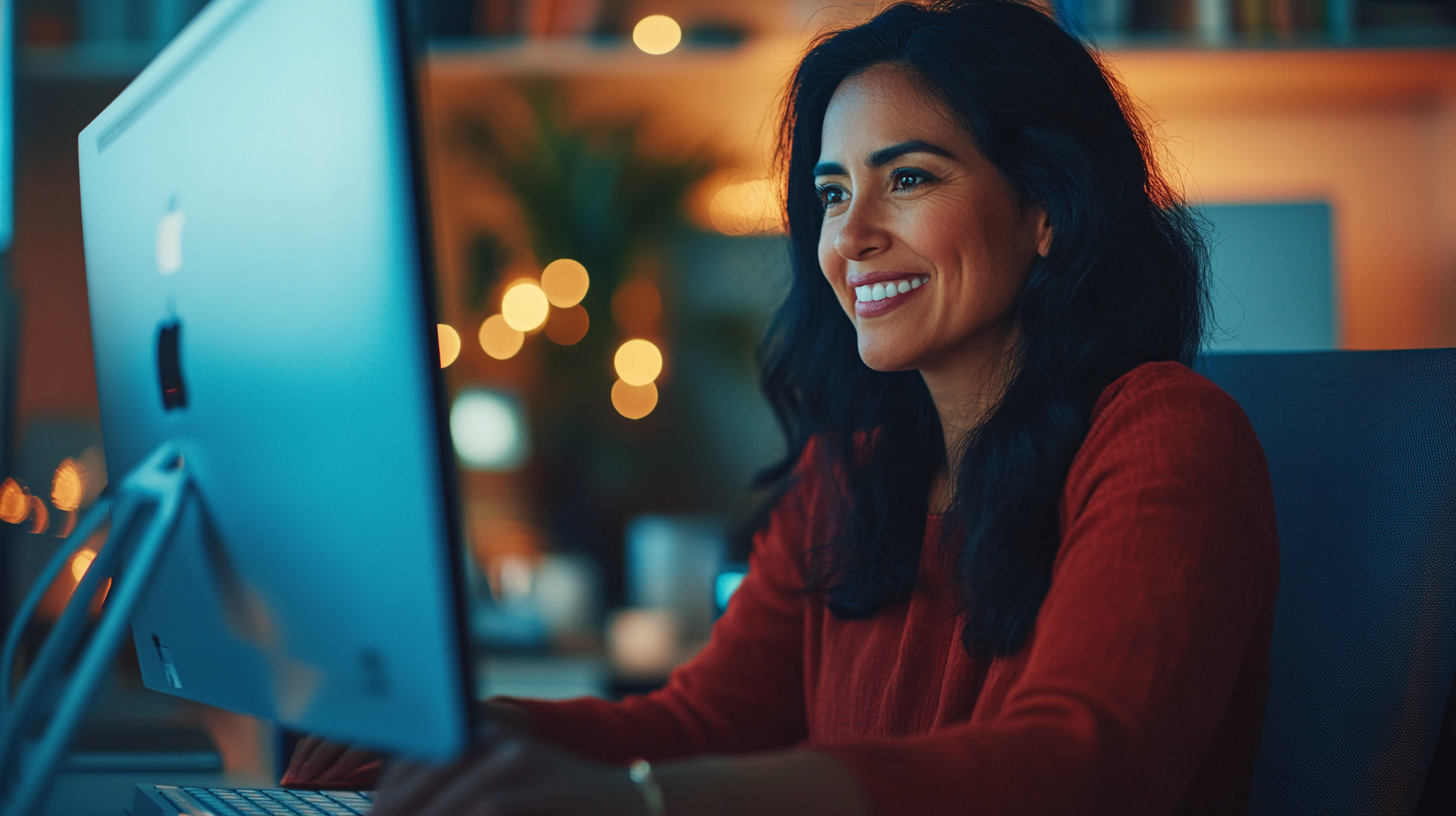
<point>171,800</point>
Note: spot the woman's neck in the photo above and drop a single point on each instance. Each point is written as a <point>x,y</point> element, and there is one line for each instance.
<point>965,388</point>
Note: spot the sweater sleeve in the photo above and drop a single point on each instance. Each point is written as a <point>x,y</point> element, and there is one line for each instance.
<point>743,692</point>
<point>1164,582</point>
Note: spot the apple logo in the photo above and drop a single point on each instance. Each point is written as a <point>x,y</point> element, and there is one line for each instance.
<point>169,240</point>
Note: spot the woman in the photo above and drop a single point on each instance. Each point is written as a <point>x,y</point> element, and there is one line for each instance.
<point>1022,559</point>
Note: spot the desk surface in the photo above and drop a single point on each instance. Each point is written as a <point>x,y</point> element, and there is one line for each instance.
<point>110,794</point>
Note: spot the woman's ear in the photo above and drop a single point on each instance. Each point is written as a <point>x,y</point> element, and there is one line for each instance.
<point>1043,227</point>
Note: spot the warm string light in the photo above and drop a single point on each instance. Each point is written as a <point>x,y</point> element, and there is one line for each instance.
<point>498,339</point>
<point>634,401</point>
<point>525,306</point>
<point>657,34</point>
<point>565,282</point>
<point>449,344</point>
<point>68,487</point>
<point>40,517</point>
<point>555,305</point>
<point>81,562</point>
<point>638,362</point>
<point>14,502</point>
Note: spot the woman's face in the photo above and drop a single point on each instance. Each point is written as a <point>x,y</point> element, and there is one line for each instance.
<point>911,207</point>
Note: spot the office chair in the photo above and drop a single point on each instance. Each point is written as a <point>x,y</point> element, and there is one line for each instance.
<point>1362,452</point>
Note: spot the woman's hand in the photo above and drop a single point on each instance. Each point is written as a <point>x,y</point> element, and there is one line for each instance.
<point>318,763</point>
<point>510,773</point>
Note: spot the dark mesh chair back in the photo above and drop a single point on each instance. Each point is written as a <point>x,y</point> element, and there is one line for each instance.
<point>1362,451</point>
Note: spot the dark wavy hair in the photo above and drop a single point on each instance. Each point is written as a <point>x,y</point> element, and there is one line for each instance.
<point>1123,283</point>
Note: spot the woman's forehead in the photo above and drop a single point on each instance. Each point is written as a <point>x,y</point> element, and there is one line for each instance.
<point>881,106</point>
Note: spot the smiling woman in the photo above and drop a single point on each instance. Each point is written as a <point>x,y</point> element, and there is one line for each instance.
<point>912,206</point>
<point>1018,558</point>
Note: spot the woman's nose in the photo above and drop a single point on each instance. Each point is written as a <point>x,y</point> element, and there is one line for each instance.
<point>861,235</point>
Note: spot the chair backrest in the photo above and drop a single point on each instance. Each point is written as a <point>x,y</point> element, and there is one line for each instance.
<point>1362,452</point>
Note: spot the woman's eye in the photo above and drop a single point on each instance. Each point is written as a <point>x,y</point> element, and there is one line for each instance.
<point>908,179</point>
<point>830,194</point>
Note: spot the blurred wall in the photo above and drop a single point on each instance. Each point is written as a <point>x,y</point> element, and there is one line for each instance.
<point>56,373</point>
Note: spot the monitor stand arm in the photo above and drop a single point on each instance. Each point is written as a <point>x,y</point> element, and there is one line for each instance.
<point>144,511</point>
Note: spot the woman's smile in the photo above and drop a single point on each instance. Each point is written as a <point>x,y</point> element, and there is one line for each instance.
<point>877,293</point>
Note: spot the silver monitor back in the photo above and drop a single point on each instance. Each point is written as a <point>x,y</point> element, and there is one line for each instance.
<point>259,296</point>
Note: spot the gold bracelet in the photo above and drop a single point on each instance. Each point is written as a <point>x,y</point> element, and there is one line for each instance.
<point>641,772</point>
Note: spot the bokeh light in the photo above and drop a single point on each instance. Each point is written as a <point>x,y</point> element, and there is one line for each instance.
<point>489,430</point>
<point>525,306</point>
<point>40,517</point>
<point>637,306</point>
<point>14,504</point>
<point>634,401</point>
<point>565,283</point>
<point>500,340</point>
<point>80,562</point>
<point>747,208</point>
<point>638,362</point>
<point>566,327</point>
<point>449,344</point>
<point>657,34</point>
<point>68,486</point>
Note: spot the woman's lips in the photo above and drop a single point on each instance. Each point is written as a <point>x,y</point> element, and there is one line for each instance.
<point>866,306</point>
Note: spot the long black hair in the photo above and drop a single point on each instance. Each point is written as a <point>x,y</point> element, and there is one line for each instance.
<point>1122,283</point>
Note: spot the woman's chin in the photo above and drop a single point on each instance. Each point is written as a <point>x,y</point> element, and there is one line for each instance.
<point>884,356</point>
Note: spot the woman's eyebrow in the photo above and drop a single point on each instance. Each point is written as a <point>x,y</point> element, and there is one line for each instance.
<point>829,169</point>
<point>884,156</point>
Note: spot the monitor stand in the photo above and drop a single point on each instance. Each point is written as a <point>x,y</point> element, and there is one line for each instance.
<point>37,727</point>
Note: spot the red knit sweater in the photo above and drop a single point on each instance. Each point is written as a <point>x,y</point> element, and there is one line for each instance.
<point>1141,689</point>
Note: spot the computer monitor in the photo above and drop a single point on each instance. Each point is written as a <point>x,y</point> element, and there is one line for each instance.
<point>261,297</point>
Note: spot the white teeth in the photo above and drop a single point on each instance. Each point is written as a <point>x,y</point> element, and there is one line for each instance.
<point>880,291</point>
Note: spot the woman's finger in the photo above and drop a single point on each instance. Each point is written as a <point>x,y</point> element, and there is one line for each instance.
<point>301,752</point>
<point>324,755</point>
<point>350,766</point>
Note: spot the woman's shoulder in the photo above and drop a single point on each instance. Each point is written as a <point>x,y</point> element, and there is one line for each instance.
<point>1165,384</point>
<point>1167,418</point>
<point>1167,399</point>
<point>1171,464</point>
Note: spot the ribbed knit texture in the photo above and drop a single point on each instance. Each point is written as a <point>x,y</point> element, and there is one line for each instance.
<point>1140,691</point>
